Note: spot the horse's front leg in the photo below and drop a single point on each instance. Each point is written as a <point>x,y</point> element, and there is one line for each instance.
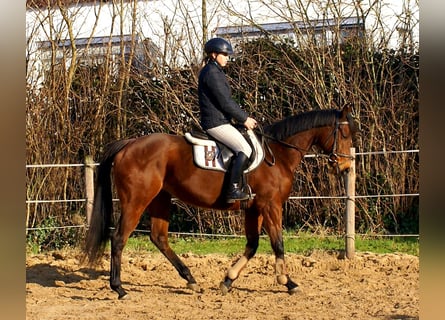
<point>273,226</point>
<point>252,228</point>
<point>280,265</point>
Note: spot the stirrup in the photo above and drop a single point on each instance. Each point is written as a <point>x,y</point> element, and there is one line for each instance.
<point>232,199</point>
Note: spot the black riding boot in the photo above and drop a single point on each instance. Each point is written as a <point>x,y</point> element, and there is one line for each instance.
<point>237,166</point>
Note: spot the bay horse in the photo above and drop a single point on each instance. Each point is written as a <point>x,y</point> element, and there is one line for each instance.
<point>148,171</point>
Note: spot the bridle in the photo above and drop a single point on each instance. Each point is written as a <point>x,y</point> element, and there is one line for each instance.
<point>332,157</point>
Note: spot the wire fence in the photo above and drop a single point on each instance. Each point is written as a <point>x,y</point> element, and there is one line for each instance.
<point>226,235</point>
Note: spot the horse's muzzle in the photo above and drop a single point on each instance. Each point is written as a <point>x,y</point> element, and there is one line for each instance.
<point>338,167</point>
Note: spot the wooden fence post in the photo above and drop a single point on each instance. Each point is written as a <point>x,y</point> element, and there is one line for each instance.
<point>350,210</point>
<point>89,186</point>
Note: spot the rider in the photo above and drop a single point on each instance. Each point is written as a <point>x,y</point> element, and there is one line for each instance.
<point>218,109</point>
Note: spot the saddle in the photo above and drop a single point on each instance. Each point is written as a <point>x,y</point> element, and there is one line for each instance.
<point>213,155</point>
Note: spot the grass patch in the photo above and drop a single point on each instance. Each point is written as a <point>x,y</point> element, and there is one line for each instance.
<point>301,244</point>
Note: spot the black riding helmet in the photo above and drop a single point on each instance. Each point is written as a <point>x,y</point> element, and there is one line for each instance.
<point>218,45</point>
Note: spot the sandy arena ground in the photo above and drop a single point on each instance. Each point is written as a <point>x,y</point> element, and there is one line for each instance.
<point>371,286</point>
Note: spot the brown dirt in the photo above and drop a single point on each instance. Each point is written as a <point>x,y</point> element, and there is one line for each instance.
<point>371,286</point>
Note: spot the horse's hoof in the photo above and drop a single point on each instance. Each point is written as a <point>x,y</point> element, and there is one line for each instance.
<point>122,294</point>
<point>224,288</point>
<point>291,286</point>
<point>294,290</point>
<point>226,285</point>
<point>125,296</point>
<point>194,286</point>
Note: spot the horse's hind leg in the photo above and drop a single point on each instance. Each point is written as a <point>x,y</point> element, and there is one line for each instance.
<point>128,220</point>
<point>159,211</point>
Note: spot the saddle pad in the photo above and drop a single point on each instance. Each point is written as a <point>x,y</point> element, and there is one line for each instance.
<point>208,155</point>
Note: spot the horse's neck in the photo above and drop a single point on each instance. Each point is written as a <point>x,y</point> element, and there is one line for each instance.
<point>297,146</point>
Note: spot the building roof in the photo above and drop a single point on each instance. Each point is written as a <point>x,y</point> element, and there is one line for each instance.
<point>282,27</point>
<point>34,4</point>
<point>92,41</point>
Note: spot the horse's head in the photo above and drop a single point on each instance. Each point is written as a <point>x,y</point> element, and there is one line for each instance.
<point>339,142</point>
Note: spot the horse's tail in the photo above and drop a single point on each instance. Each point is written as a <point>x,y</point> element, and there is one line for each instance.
<point>99,229</point>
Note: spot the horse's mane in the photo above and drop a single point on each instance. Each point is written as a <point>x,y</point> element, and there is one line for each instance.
<point>114,147</point>
<point>304,121</point>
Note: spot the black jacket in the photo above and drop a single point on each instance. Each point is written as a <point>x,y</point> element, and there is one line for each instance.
<point>215,98</point>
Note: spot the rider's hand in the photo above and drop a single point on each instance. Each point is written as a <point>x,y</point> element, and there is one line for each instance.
<point>250,123</point>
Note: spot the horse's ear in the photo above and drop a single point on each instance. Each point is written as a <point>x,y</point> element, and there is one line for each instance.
<point>346,109</point>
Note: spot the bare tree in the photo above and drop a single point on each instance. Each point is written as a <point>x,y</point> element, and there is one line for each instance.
<point>85,102</point>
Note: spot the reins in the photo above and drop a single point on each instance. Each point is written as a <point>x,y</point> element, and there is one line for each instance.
<point>259,130</point>
<point>264,142</point>
<point>332,157</point>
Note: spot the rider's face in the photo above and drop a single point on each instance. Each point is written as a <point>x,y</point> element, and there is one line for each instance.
<point>221,58</point>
